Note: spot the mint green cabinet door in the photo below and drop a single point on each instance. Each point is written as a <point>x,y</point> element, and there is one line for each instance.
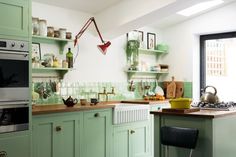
<point>132,140</point>
<point>97,133</point>
<point>57,136</point>
<point>44,137</point>
<point>15,146</point>
<point>70,136</point>
<point>140,137</point>
<point>14,17</point>
<point>121,142</point>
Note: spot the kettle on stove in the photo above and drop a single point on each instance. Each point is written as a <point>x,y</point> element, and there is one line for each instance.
<point>209,97</point>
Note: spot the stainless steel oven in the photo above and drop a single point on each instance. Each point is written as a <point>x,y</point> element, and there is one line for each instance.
<point>14,85</point>
<point>14,70</point>
<point>14,116</point>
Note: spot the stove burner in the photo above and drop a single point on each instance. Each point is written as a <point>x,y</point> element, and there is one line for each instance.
<point>222,106</point>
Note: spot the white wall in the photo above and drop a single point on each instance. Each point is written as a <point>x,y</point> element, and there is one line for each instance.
<point>183,39</point>
<point>91,65</point>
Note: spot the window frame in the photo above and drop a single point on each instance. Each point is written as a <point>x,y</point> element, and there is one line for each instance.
<point>203,38</point>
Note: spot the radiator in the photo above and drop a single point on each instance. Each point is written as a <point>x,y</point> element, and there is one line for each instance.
<point>125,113</point>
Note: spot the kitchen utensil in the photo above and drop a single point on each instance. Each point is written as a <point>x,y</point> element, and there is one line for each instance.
<point>158,90</point>
<point>209,97</point>
<point>179,92</point>
<point>171,88</point>
<point>131,86</point>
<point>69,102</point>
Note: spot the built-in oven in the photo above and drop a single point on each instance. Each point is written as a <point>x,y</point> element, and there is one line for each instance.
<point>14,70</point>
<point>14,116</point>
<point>14,85</point>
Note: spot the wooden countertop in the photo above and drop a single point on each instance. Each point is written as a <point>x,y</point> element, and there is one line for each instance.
<point>56,108</point>
<point>201,113</point>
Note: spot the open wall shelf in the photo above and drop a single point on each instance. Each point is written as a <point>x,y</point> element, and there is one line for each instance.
<point>50,40</point>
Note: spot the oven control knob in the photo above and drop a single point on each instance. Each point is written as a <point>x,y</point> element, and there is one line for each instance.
<point>13,44</point>
<point>22,45</point>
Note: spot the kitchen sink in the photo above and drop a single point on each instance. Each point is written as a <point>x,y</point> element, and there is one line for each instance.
<point>125,113</point>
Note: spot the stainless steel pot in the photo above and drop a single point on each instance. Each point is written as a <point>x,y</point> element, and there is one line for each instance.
<point>209,97</point>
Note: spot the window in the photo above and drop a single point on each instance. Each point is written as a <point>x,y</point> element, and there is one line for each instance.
<point>218,63</point>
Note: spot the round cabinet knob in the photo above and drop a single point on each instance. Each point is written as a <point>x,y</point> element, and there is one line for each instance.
<point>13,44</point>
<point>96,115</point>
<point>132,131</point>
<point>58,128</point>
<point>22,45</point>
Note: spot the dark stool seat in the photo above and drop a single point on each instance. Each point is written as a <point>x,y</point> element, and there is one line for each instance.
<point>179,137</point>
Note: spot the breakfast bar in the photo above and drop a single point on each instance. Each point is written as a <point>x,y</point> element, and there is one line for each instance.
<point>216,132</point>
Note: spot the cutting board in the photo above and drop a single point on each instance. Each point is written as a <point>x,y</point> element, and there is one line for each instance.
<point>179,91</point>
<point>176,110</point>
<point>170,89</point>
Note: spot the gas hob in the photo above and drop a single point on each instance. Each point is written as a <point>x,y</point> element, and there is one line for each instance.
<point>220,106</point>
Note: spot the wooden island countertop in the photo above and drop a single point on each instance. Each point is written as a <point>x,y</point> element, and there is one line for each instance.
<point>201,113</point>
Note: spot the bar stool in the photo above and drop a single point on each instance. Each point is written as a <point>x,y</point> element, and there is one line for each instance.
<point>179,137</point>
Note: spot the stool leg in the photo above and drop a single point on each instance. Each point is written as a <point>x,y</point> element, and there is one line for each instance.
<point>166,151</point>
<point>191,152</point>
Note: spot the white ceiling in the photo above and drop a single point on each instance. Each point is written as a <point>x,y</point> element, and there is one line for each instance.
<point>88,6</point>
<point>175,18</point>
<point>116,17</point>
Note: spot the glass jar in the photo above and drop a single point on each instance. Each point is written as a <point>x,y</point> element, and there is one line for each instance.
<point>50,31</point>
<point>64,64</point>
<point>56,34</point>
<point>62,32</point>
<point>68,35</point>
<point>43,28</point>
<point>35,26</point>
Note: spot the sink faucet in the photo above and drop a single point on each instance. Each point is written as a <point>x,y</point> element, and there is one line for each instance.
<point>106,93</point>
<point>112,92</point>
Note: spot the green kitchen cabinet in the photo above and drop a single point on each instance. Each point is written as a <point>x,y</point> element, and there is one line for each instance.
<point>13,145</point>
<point>133,139</point>
<point>57,135</point>
<point>97,133</point>
<point>216,135</point>
<point>15,16</point>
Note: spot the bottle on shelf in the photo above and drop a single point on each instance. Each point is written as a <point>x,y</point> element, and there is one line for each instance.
<point>69,58</point>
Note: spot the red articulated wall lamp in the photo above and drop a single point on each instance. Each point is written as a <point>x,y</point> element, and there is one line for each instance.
<point>103,47</point>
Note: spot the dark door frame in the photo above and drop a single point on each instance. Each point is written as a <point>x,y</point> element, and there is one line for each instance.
<point>203,38</point>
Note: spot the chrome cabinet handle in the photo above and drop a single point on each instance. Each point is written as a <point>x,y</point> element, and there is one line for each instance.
<point>58,128</point>
<point>96,115</point>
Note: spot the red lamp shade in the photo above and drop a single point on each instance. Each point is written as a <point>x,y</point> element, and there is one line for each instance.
<point>104,46</point>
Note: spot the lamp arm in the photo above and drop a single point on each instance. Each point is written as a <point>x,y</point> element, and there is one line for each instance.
<point>98,30</point>
<point>84,29</point>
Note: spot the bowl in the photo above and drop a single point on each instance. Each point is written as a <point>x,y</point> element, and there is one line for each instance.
<point>180,103</point>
